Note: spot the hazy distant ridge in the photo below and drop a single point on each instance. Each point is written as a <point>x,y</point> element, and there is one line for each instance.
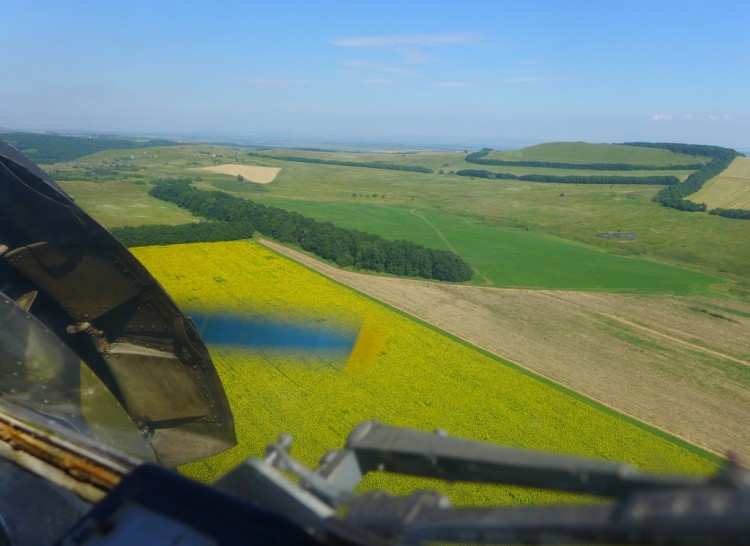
<point>49,148</point>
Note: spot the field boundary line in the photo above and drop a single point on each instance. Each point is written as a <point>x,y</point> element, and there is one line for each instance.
<point>448,243</point>
<point>323,269</point>
<point>632,324</point>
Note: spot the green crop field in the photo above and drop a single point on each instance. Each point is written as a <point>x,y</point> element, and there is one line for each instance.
<point>511,258</point>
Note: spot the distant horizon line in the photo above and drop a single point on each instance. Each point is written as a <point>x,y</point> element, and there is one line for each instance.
<point>421,142</point>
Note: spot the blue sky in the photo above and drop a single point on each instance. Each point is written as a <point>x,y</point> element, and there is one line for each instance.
<point>480,72</point>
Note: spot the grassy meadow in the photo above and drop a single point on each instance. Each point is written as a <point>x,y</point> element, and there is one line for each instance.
<point>381,200</point>
<point>125,204</point>
<point>401,372</point>
<point>584,152</point>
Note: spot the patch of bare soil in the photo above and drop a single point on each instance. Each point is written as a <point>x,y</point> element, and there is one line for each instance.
<point>680,363</point>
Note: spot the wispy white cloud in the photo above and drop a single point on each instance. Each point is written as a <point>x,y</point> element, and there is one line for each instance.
<point>410,53</point>
<point>716,118</point>
<point>412,48</point>
<point>272,82</point>
<point>658,118</point>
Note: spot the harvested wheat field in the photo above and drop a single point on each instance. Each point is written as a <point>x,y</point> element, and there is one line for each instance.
<point>680,363</point>
<point>730,189</point>
<point>253,173</point>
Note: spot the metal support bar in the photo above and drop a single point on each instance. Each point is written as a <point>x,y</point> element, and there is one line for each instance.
<point>383,447</point>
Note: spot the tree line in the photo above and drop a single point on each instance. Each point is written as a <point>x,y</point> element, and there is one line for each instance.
<point>365,164</point>
<point>199,232</point>
<point>51,148</point>
<point>674,196</point>
<point>480,157</point>
<point>572,179</point>
<point>742,214</point>
<point>345,247</point>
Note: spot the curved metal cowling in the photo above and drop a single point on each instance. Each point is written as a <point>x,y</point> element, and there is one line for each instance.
<point>74,276</point>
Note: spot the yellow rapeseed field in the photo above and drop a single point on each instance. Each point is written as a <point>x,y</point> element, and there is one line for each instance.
<point>400,372</point>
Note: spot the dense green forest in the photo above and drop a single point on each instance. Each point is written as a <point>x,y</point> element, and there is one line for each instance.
<point>365,164</point>
<point>480,158</point>
<point>162,234</point>
<point>674,196</point>
<point>345,247</point>
<point>573,179</point>
<point>51,148</point>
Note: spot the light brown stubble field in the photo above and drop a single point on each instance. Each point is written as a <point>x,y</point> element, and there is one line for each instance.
<point>261,175</point>
<point>728,190</point>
